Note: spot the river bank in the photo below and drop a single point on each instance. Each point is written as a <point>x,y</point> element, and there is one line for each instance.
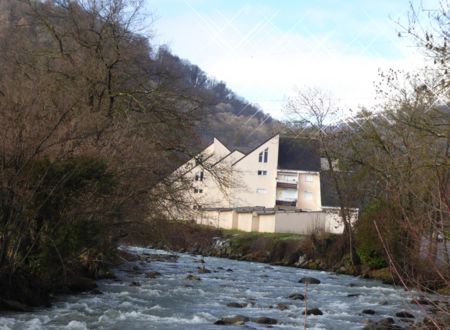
<point>25,291</point>
<point>315,252</point>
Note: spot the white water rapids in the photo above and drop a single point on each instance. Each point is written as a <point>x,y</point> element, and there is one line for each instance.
<point>173,302</point>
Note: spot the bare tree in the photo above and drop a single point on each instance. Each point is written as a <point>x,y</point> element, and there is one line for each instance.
<point>313,111</point>
<point>91,120</point>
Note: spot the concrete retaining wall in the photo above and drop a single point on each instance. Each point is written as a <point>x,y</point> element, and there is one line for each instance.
<point>300,222</point>
<point>267,223</point>
<point>275,222</point>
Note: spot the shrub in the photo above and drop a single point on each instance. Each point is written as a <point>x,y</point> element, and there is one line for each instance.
<point>368,245</point>
<point>67,214</point>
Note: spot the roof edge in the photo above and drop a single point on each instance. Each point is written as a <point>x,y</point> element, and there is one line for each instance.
<point>251,151</point>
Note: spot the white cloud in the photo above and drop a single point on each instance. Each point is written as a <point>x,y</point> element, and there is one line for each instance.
<point>263,62</point>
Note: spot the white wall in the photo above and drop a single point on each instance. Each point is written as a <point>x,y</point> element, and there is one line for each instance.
<point>226,219</point>
<point>278,222</point>
<point>299,222</point>
<point>266,223</point>
<point>246,221</point>
<point>314,204</point>
<point>216,193</point>
<point>245,173</point>
<point>213,194</point>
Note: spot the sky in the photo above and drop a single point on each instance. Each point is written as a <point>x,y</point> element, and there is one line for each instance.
<point>266,50</point>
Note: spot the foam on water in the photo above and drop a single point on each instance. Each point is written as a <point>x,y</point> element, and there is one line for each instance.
<point>172,302</point>
<point>76,325</point>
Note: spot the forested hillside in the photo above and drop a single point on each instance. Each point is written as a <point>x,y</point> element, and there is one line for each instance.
<point>226,115</point>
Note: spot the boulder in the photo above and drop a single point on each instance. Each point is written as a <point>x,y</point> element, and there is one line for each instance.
<point>265,320</point>
<point>405,315</point>
<point>236,305</point>
<point>296,296</point>
<point>232,320</point>
<point>309,280</point>
<point>301,260</point>
<point>134,283</point>
<point>127,256</point>
<point>368,311</point>
<point>96,291</point>
<point>12,305</point>
<point>105,274</point>
<point>282,307</point>
<point>385,324</point>
<point>191,277</point>
<point>161,257</point>
<point>353,295</point>
<point>80,284</point>
<point>153,274</point>
<point>313,311</point>
<point>203,270</point>
<point>420,301</point>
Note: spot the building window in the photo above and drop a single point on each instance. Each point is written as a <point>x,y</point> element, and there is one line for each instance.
<point>199,160</point>
<point>261,172</point>
<point>263,156</point>
<point>308,178</point>
<point>307,196</point>
<point>198,191</point>
<point>261,191</point>
<point>199,176</point>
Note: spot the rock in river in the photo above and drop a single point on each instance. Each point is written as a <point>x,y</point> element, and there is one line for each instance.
<point>203,270</point>
<point>153,274</point>
<point>296,296</point>
<point>236,305</point>
<point>404,314</point>
<point>309,280</point>
<point>385,324</point>
<point>233,320</point>
<point>282,307</point>
<point>353,295</point>
<point>265,320</point>
<point>191,277</point>
<point>313,311</point>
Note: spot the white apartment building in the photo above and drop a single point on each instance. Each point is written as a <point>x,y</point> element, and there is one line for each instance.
<point>273,188</point>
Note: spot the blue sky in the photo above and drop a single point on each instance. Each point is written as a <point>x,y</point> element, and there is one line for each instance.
<point>265,50</point>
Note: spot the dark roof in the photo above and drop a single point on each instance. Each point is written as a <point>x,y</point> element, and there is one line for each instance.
<point>299,154</point>
<point>251,151</point>
<point>328,190</point>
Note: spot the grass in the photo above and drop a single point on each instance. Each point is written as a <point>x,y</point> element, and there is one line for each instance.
<point>253,235</point>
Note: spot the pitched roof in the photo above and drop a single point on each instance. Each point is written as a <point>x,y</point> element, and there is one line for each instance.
<point>255,148</point>
<point>299,154</point>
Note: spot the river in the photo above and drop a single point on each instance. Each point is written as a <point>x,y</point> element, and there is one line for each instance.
<point>171,301</point>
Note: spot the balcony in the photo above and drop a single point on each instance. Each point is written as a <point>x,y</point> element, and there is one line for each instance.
<point>284,178</point>
<point>291,203</point>
<point>288,185</point>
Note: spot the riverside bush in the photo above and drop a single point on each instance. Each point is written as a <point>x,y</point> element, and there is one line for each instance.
<point>369,247</point>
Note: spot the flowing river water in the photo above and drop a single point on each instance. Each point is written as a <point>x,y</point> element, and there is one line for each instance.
<point>171,301</point>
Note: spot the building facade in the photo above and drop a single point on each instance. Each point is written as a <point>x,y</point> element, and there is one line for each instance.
<point>273,188</point>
